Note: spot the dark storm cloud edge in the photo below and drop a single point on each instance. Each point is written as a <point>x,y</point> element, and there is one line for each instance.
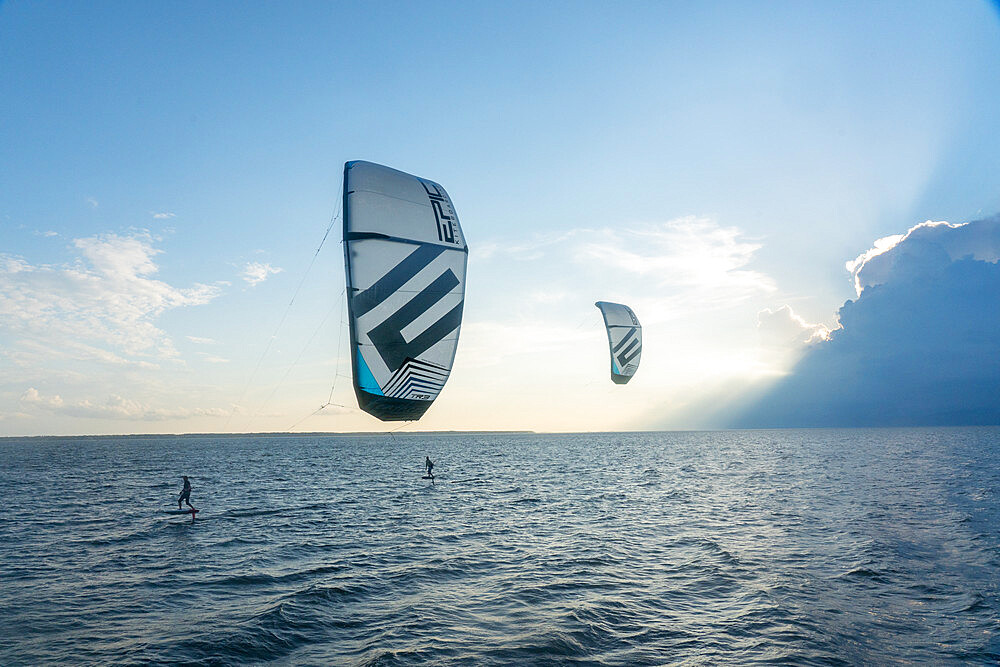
<point>922,348</point>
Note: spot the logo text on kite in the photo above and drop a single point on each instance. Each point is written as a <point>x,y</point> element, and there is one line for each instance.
<point>445,222</point>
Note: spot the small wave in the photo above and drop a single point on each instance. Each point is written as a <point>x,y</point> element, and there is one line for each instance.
<point>925,591</point>
<point>263,578</point>
<point>257,511</point>
<point>236,541</point>
<point>471,480</point>
<point>864,573</point>
<point>709,545</point>
<point>294,621</point>
<point>385,657</point>
<point>535,649</point>
<point>129,537</point>
<point>978,604</point>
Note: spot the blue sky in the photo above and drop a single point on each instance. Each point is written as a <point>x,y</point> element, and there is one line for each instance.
<point>704,163</point>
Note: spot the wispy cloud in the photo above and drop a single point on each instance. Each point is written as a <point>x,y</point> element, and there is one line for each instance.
<point>687,262</point>
<point>212,359</point>
<point>114,407</point>
<point>257,272</point>
<point>102,307</point>
<point>526,251</point>
<point>164,215</point>
<point>67,349</point>
<point>92,202</point>
<point>201,341</point>
<point>690,251</point>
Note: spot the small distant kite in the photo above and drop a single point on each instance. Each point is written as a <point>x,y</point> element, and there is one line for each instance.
<point>624,339</point>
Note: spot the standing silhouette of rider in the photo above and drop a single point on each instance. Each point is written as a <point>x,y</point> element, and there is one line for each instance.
<point>185,494</point>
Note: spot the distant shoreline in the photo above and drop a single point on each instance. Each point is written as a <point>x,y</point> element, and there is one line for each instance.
<point>277,434</point>
<point>355,434</point>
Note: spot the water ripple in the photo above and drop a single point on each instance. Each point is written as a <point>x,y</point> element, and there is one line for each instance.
<point>816,547</point>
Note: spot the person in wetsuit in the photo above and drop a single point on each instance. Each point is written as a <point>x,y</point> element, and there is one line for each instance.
<point>185,494</point>
<point>430,466</point>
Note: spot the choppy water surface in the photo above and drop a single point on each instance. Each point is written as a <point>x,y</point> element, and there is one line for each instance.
<point>801,547</point>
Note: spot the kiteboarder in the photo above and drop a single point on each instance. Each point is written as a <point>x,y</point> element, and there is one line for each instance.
<point>185,494</point>
<point>430,466</point>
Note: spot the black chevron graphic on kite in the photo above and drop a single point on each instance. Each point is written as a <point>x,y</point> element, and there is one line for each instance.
<point>386,337</point>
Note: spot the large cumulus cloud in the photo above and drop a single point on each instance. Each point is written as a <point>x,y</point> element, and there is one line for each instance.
<point>919,346</point>
<point>925,247</point>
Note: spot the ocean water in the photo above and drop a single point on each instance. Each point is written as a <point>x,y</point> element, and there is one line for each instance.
<point>804,547</point>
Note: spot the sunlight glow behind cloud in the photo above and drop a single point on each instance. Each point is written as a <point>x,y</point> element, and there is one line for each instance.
<point>784,328</point>
<point>979,240</point>
<point>881,247</point>
<point>687,251</point>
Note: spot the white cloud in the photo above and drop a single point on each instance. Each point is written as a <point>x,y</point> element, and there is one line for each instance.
<point>689,252</point>
<point>684,265</point>
<point>32,397</point>
<point>92,202</point>
<point>979,240</point>
<point>13,264</point>
<point>548,296</point>
<point>256,272</point>
<point>164,215</point>
<point>201,341</point>
<point>783,328</point>
<point>100,308</point>
<point>41,348</point>
<point>214,360</point>
<point>114,407</point>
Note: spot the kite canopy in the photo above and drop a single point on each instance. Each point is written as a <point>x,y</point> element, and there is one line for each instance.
<point>624,339</point>
<point>405,257</point>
